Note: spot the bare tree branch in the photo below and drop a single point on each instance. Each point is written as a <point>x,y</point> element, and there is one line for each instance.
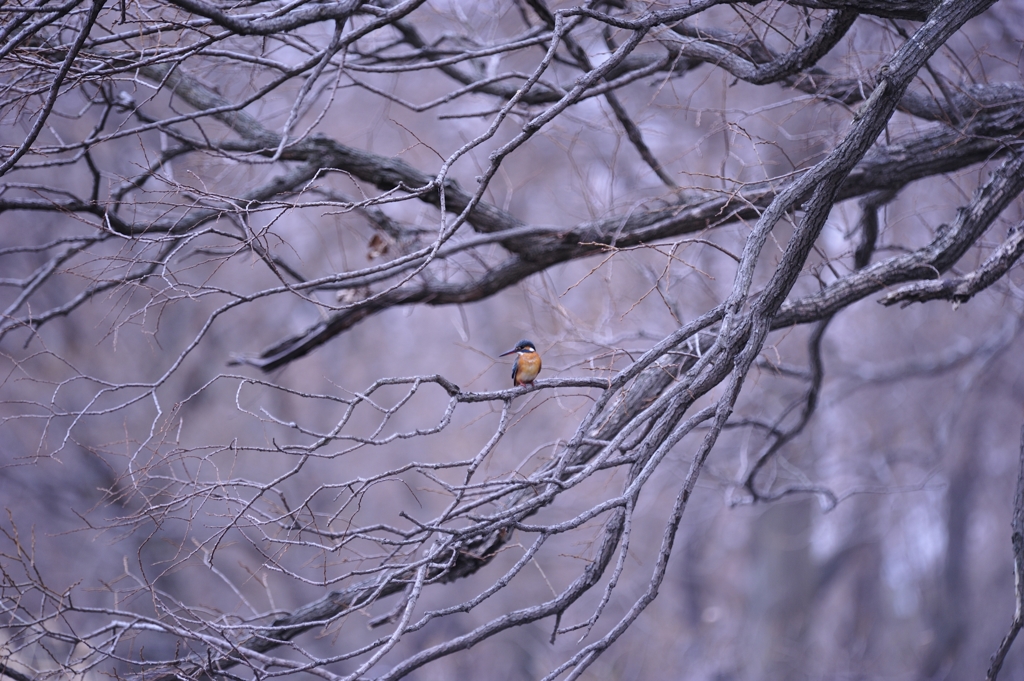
<point>1017,541</point>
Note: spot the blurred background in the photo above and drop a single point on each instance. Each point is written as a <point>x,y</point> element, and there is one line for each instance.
<point>129,442</point>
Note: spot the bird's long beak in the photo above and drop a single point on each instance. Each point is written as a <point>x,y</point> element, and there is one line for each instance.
<point>507,353</point>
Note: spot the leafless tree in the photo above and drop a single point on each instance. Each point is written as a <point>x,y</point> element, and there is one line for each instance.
<point>186,181</point>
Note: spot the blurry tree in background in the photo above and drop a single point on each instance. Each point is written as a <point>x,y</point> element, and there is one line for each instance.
<point>258,259</point>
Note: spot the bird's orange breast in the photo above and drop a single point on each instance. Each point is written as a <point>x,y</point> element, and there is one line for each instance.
<point>526,369</point>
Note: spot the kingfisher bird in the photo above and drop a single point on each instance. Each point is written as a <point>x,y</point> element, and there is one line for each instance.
<point>527,364</point>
